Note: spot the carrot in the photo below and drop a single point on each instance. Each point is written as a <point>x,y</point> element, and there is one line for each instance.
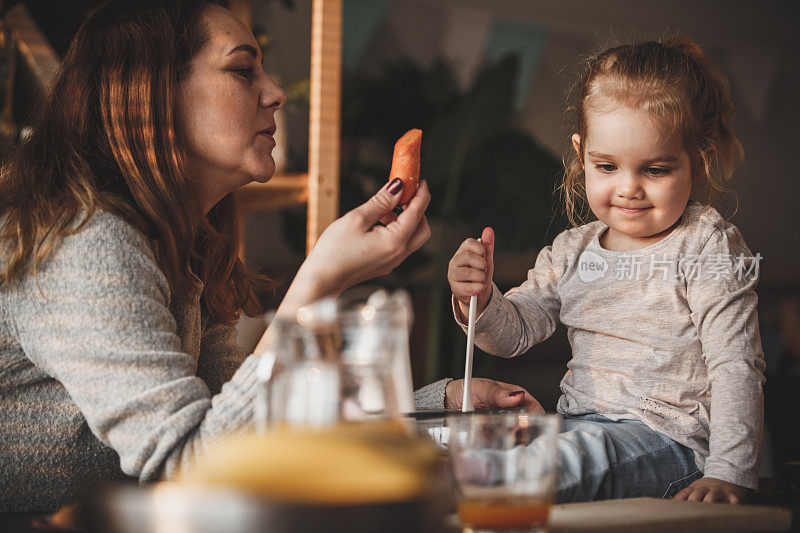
<point>405,163</point>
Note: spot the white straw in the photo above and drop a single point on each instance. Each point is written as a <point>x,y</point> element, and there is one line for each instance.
<point>466,402</point>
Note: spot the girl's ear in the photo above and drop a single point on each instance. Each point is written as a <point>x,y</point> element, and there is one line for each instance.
<point>576,143</point>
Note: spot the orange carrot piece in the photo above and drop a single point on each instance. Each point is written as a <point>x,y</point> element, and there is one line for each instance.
<point>405,163</point>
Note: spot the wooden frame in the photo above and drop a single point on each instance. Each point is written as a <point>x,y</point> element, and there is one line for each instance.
<point>34,48</point>
<point>325,116</point>
<point>319,189</point>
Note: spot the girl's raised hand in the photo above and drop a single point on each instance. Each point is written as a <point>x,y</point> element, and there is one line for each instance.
<point>470,272</point>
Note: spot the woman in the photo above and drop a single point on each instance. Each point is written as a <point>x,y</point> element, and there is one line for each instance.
<point>119,278</point>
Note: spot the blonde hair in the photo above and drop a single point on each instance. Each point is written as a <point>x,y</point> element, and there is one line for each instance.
<point>675,82</point>
<point>107,137</point>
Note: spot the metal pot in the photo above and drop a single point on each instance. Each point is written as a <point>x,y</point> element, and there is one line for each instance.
<point>177,508</point>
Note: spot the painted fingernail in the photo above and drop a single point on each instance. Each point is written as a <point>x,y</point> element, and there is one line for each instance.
<point>516,393</point>
<point>395,186</point>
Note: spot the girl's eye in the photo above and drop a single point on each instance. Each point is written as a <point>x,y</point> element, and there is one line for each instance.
<point>243,72</point>
<point>606,168</point>
<point>656,171</point>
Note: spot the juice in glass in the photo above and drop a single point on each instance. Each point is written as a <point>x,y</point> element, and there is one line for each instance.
<point>510,513</point>
<point>505,467</point>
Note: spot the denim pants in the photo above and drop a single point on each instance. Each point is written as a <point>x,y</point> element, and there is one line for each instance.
<point>601,459</point>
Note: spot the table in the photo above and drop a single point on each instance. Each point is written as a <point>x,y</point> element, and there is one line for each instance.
<point>656,516</point>
<point>637,514</point>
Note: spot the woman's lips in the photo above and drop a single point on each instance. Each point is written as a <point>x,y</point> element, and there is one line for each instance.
<point>266,135</point>
<point>268,132</point>
<point>632,211</point>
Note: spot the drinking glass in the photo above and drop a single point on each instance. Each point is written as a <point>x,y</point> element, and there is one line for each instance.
<point>337,361</point>
<point>505,469</point>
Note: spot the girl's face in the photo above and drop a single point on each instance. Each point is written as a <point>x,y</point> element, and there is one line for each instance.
<point>637,182</point>
<point>226,109</point>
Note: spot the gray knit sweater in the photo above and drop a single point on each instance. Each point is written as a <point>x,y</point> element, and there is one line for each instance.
<point>103,375</point>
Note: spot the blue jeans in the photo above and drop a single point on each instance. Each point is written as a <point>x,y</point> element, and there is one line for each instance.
<point>600,459</point>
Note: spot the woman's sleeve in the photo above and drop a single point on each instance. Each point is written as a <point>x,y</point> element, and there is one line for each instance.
<point>721,294</point>
<point>431,396</point>
<point>95,317</point>
<point>525,316</point>
<point>220,356</point>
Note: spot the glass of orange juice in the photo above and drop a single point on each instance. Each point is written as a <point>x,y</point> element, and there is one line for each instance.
<point>505,467</point>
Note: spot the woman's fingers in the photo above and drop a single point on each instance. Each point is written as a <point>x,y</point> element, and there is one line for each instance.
<point>388,218</point>
<point>496,394</point>
<point>420,237</point>
<point>380,205</point>
<point>519,397</point>
<point>409,220</point>
<point>492,394</point>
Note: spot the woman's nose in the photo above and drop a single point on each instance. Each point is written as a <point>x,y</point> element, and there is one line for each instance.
<point>271,95</point>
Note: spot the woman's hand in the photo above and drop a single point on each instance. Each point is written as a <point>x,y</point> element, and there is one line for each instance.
<point>709,489</point>
<point>470,272</point>
<point>490,394</point>
<point>356,248</point>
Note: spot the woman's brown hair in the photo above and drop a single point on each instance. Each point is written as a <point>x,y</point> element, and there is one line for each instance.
<point>675,82</point>
<point>107,137</point>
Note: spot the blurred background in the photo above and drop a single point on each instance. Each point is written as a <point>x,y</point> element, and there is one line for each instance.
<point>486,81</point>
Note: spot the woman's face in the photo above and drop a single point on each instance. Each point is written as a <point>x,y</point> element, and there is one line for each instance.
<point>637,182</point>
<point>226,108</point>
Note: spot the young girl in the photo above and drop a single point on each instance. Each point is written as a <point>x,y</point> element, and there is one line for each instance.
<point>664,388</point>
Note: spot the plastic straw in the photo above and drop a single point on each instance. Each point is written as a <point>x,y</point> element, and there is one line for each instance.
<point>466,402</point>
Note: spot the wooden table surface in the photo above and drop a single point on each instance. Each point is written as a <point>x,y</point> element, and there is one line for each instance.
<point>656,516</point>
<point>650,515</point>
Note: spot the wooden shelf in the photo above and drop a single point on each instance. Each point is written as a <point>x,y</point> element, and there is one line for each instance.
<point>281,190</point>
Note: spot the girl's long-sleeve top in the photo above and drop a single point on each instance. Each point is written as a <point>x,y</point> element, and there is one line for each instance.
<point>666,334</point>
<point>104,376</point>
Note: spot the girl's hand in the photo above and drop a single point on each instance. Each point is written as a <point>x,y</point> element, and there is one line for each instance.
<point>356,248</point>
<point>709,489</point>
<point>491,394</point>
<point>470,272</point>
